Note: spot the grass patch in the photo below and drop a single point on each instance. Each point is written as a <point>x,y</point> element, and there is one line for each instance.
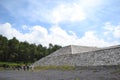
<point>64,67</point>
<point>1,68</point>
<point>10,65</point>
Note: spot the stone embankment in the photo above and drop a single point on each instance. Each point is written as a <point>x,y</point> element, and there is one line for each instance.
<point>82,56</point>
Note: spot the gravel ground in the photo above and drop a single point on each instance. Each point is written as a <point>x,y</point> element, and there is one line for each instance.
<point>110,74</point>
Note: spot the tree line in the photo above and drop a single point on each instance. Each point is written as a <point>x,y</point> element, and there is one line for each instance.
<point>22,52</point>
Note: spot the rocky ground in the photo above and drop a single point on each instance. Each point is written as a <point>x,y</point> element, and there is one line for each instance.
<point>106,74</point>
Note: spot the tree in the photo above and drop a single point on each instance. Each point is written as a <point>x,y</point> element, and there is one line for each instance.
<point>13,45</point>
<point>3,48</point>
<point>14,51</point>
<point>53,48</point>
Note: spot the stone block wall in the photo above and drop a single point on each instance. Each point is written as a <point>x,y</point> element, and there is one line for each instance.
<point>107,56</point>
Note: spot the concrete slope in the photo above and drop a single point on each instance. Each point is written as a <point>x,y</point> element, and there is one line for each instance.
<point>80,49</point>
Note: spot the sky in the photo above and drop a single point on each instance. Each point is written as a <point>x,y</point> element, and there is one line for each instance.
<point>63,22</point>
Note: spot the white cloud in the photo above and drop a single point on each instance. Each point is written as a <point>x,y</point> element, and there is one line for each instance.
<point>60,36</point>
<point>39,35</point>
<point>52,11</point>
<point>68,12</point>
<point>75,11</point>
<point>36,34</point>
<point>24,27</point>
<point>108,26</point>
<point>91,39</point>
<point>112,30</point>
<point>91,3</point>
<point>116,32</point>
<point>7,30</point>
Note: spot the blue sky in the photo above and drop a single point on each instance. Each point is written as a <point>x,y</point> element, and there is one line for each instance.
<point>62,22</point>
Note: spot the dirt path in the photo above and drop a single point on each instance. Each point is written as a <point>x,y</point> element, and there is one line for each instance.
<point>61,75</point>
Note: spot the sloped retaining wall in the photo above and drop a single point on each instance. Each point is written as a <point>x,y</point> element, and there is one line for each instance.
<point>109,56</point>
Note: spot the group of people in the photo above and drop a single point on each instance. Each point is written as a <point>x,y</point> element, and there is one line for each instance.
<point>23,67</point>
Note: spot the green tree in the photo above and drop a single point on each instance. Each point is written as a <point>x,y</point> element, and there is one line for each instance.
<point>14,51</point>
<point>13,45</point>
<point>3,48</point>
<point>53,48</point>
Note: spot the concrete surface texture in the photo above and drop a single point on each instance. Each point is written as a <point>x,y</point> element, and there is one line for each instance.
<point>82,56</point>
<point>106,74</point>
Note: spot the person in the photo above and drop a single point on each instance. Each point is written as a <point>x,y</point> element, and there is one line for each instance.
<point>23,67</point>
<point>32,67</point>
<point>27,67</point>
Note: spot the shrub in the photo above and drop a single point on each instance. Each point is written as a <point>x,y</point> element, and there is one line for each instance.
<point>64,67</point>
